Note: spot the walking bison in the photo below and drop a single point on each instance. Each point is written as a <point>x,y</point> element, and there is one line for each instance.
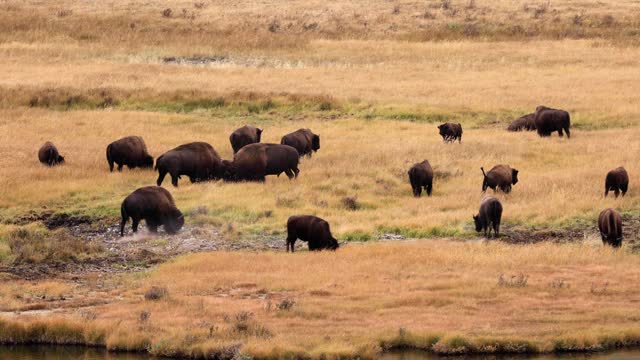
<point>303,140</point>
<point>311,229</point>
<point>610,225</point>
<point>255,161</point>
<point>617,180</point>
<point>489,216</point>
<point>500,176</point>
<point>548,120</point>
<point>421,175</point>
<point>244,136</point>
<point>450,132</point>
<point>153,204</point>
<point>130,151</point>
<point>198,160</point>
<point>48,154</point>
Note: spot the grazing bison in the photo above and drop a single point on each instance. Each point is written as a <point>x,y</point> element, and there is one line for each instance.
<point>548,120</point>
<point>130,151</point>
<point>610,225</point>
<point>255,161</point>
<point>153,204</point>
<point>501,176</point>
<point>489,216</point>
<point>312,229</point>
<point>48,154</point>
<point>617,180</point>
<point>302,140</point>
<point>523,123</point>
<point>450,132</point>
<point>244,136</point>
<point>421,175</point>
<point>197,160</point>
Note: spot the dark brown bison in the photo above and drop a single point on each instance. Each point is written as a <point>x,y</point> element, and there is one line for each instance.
<point>421,175</point>
<point>255,161</point>
<point>155,205</point>
<point>302,140</point>
<point>48,154</point>
<point>489,216</point>
<point>523,123</point>
<point>610,225</point>
<point>617,180</point>
<point>312,229</point>
<point>501,176</point>
<point>198,160</point>
<point>549,120</point>
<point>130,151</point>
<point>244,136</point>
<point>450,132</point>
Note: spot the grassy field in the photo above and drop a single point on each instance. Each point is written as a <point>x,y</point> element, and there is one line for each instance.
<point>374,79</point>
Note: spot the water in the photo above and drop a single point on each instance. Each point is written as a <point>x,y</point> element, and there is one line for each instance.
<point>417,355</point>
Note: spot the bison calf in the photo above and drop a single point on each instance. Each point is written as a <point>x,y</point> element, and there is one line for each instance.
<point>303,140</point>
<point>500,176</point>
<point>610,225</point>
<point>48,154</point>
<point>244,136</point>
<point>489,216</point>
<point>617,181</point>
<point>549,120</point>
<point>421,175</point>
<point>130,151</point>
<point>450,132</point>
<point>155,205</point>
<point>312,229</point>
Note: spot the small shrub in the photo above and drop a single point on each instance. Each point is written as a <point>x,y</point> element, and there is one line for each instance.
<point>64,12</point>
<point>445,4</point>
<point>156,293</point>
<point>199,5</point>
<point>144,316</point>
<point>578,19</point>
<point>326,106</point>
<point>471,30</point>
<point>350,203</point>
<point>285,304</point>
<point>167,13</point>
<point>39,245</point>
<point>428,15</point>
<point>515,281</point>
<point>559,284</point>
<point>607,20</point>
<point>599,290</point>
<point>396,10</point>
<point>471,4</point>
<point>541,10</point>
<point>274,26</point>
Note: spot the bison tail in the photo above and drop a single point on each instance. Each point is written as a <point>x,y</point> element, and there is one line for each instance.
<point>483,173</point>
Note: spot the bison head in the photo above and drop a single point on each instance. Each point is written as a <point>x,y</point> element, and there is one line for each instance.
<point>174,222</point>
<point>147,162</point>
<point>333,244</point>
<point>228,171</point>
<point>444,129</point>
<point>476,220</point>
<point>514,176</point>
<point>60,159</point>
<point>315,143</point>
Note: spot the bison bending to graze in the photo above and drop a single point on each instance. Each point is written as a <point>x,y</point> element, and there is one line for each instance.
<point>489,216</point>
<point>548,120</point>
<point>421,175</point>
<point>617,181</point>
<point>48,154</point>
<point>500,176</point>
<point>244,136</point>
<point>523,123</point>
<point>450,132</point>
<point>130,151</point>
<point>198,160</point>
<point>610,225</point>
<point>312,229</point>
<point>302,140</point>
<point>255,161</point>
<point>153,204</point>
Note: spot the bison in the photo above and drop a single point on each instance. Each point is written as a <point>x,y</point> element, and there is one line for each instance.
<point>48,155</point>
<point>303,140</point>
<point>255,161</point>
<point>130,151</point>
<point>618,181</point>
<point>501,176</point>
<point>244,136</point>
<point>155,205</point>
<point>548,120</point>
<point>489,216</point>
<point>450,132</point>
<point>198,160</point>
<point>421,175</point>
<point>610,225</point>
<point>523,123</point>
<point>312,229</point>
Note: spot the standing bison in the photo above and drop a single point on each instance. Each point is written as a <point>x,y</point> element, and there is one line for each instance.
<point>549,120</point>
<point>244,136</point>
<point>523,123</point>
<point>489,216</point>
<point>312,229</point>
<point>421,175</point>
<point>48,154</point>
<point>255,161</point>
<point>450,132</point>
<point>198,160</point>
<point>617,181</point>
<point>153,204</point>
<point>302,140</point>
<point>610,225</point>
<point>130,151</point>
<point>500,176</point>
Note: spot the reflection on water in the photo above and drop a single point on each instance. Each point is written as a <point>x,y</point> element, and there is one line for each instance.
<point>417,355</point>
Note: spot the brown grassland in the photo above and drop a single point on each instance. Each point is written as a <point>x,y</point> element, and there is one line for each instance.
<point>373,78</point>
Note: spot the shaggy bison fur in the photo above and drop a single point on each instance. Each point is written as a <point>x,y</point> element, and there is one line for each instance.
<point>48,155</point>
<point>255,161</point>
<point>130,151</point>
<point>617,181</point>
<point>198,160</point>
<point>244,136</point>
<point>450,132</point>
<point>500,176</point>
<point>610,225</point>
<point>155,205</point>
<point>421,175</point>
<point>550,120</point>
<point>303,140</point>
<point>489,216</point>
<point>523,123</point>
<point>312,229</point>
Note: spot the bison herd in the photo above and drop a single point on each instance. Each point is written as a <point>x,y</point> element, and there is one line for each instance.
<point>253,161</point>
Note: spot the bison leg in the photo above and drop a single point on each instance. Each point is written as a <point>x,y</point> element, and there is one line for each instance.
<point>428,188</point>
<point>161,176</point>
<point>616,192</point>
<point>289,174</point>
<point>174,180</point>
<point>125,218</point>
<point>606,191</point>
<point>624,188</point>
<point>566,129</point>
<point>152,226</point>
<point>296,171</point>
<point>110,166</point>
<point>135,221</point>
<point>291,242</point>
<point>460,139</point>
<point>496,229</point>
<point>417,190</point>
<point>120,167</point>
<point>560,132</point>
